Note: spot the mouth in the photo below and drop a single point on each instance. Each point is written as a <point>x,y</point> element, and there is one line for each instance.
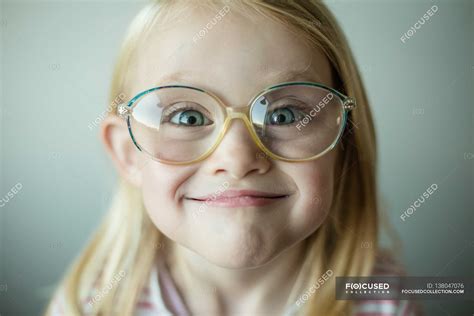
<point>239,198</point>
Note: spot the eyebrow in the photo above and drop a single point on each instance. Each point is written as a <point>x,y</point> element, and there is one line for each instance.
<point>173,77</point>
<point>292,75</point>
<point>274,77</point>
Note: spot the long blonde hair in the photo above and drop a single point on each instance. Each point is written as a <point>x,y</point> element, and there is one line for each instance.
<point>126,242</point>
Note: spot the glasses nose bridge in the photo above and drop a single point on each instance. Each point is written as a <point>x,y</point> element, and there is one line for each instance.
<point>238,113</point>
<point>241,113</point>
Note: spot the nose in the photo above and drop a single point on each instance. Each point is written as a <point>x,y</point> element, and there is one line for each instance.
<point>237,154</point>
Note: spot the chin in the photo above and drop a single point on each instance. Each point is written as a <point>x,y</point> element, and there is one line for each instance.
<point>244,251</point>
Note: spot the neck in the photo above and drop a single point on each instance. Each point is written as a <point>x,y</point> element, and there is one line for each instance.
<point>213,290</point>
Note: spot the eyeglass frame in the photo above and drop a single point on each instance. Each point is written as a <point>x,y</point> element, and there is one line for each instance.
<point>125,110</point>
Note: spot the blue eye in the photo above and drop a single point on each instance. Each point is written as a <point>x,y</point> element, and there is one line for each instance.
<point>190,118</point>
<point>280,116</point>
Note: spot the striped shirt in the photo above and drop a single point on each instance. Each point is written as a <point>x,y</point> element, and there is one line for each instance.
<point>161,296</point>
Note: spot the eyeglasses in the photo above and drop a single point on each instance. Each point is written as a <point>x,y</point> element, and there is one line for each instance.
<point>291,121</point>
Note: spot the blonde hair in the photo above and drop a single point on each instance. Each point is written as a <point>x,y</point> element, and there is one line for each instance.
<point>126,242</point>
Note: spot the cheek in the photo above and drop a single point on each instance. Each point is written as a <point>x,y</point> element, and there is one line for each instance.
<point>160,185</point>
<point>315,182</point>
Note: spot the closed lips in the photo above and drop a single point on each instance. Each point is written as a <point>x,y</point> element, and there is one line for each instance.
<point>234,194</point>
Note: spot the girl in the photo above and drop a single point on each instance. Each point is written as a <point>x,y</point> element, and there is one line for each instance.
<point>246,151</point>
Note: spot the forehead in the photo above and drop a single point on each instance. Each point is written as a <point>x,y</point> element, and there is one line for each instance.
<point>235,56</point>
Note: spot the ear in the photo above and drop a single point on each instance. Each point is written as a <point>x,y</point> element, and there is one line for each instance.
<point>119,145</point>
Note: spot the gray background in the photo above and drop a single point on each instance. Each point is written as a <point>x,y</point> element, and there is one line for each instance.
<point>56,64</point>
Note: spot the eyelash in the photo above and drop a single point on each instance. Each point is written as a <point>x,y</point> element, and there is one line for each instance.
<point>179,108</point>
<point>297,107</point>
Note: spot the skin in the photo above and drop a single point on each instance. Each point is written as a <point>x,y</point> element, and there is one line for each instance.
<point>228,261</point>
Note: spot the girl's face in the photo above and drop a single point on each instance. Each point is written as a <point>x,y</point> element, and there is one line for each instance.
<point>235,59</point>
